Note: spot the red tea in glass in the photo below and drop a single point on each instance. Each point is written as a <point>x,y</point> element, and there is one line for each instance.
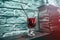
<point>31,22</point>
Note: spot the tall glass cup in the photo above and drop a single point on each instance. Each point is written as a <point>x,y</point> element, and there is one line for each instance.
<point>31,25</point>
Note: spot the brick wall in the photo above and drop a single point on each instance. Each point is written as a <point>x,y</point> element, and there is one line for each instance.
<point>11,19</point>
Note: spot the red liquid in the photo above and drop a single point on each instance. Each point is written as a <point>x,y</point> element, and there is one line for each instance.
<point>31,22</point>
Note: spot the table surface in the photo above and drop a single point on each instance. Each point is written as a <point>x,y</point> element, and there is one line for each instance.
<point>25,37</point>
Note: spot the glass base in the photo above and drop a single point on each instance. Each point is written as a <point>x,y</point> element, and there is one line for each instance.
<point>31,32</point>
